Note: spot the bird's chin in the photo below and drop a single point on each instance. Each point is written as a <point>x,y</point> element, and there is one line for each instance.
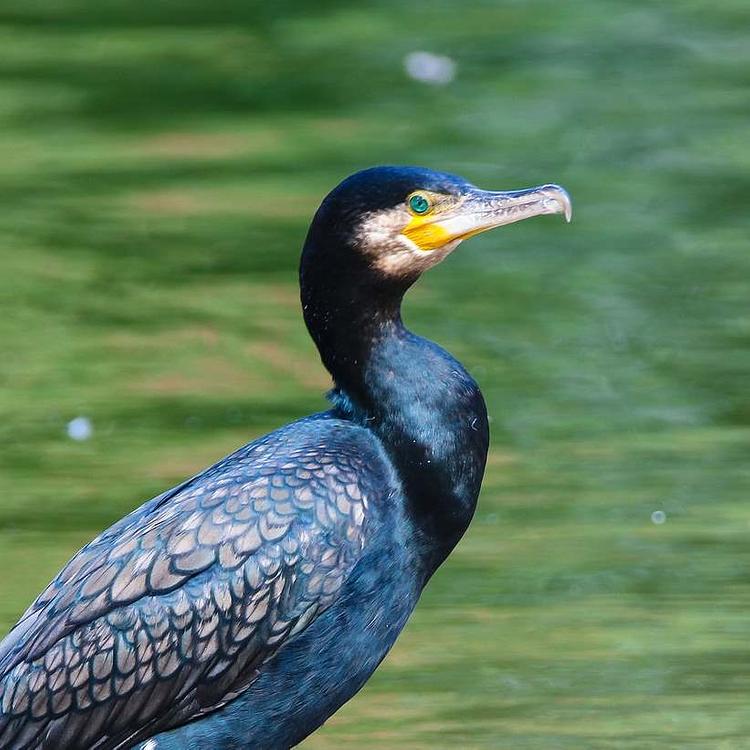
<point>391,252</point>
<point>405,259</point>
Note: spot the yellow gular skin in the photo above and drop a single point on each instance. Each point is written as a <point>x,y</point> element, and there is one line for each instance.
<point>426,233</point>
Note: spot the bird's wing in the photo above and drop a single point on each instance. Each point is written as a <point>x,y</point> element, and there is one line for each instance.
<point>172,611</point>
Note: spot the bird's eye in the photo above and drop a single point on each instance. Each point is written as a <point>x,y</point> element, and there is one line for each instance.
<point>419,204</point>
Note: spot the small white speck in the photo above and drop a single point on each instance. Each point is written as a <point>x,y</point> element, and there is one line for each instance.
<point>150,745</point>
<point>80,429</point>
<point>427,67</point>
<point>658,517</point>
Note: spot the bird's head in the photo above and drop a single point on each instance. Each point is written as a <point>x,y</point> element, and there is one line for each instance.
<point>403,220</point>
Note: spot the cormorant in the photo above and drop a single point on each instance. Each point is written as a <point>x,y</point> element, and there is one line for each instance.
<point>243,607</point>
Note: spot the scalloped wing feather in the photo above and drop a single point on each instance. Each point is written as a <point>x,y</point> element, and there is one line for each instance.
<point>171,612</point>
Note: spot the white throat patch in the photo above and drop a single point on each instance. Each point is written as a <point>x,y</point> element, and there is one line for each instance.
<point>392,253</point>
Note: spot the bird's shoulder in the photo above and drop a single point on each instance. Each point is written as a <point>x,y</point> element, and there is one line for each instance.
<point>182,599</point>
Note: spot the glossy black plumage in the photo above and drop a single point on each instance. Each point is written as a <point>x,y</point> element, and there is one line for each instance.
<point>243,607</point>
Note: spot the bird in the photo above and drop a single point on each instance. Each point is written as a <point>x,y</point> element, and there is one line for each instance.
<point>243,607</point>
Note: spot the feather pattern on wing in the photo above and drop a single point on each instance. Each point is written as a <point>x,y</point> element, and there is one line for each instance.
<point>173,610</point>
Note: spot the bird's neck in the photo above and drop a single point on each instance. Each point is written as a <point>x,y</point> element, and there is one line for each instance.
<point>420,402</point>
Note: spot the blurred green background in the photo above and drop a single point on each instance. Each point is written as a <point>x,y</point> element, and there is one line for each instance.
<point>159,163</point>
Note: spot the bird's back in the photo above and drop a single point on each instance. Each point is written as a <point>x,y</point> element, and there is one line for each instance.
<point>174,611</point>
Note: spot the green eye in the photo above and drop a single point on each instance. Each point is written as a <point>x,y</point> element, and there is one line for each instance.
<point>419,204</point>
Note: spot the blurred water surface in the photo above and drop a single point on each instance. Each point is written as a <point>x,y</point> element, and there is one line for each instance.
<point>159,163</point>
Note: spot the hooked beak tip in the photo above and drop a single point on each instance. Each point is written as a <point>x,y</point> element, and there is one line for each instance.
<point>559,200</point>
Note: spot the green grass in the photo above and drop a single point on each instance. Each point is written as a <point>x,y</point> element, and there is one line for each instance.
<point>159,163</point>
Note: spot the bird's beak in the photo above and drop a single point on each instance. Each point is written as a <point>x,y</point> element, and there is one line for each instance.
<point>480,210</point>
